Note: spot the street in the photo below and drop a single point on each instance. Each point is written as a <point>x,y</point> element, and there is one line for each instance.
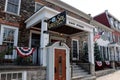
<point>113,76</point>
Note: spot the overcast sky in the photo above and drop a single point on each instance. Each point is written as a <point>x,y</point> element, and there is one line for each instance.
<point>95,7</point>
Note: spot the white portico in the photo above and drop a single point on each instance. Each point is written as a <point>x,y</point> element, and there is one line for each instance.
<point>71,22</point>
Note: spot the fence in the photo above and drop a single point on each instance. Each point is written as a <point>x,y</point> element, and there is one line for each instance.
<point>9,56</point>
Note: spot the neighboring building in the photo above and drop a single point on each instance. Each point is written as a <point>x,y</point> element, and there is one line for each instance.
<point>113,23</point>
<point>104,40</point>
<point>23,24</point>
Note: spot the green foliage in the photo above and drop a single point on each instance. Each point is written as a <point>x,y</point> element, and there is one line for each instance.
<point>85,56</point>
<point>97,55</point>
<point>6,51</point>
<point>24,60</point>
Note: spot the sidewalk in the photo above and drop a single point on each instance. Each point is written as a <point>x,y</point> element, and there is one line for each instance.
<point>113,76</point>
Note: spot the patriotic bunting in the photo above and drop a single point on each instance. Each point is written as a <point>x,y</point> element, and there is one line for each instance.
<point>99,63</point>
<point>107,63</point>
<point>24,51</point>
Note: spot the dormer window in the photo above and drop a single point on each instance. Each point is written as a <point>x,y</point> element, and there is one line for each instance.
<point>112,22</point>
<point>116,24</point>
<point>38,6</point>
<point>13,6</point>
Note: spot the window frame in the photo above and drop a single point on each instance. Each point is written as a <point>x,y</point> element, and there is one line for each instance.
<point>77,49</point>
<point>18,12</point>
<point>12,56</point>
<point>15,34</point>
<point>36,5</point>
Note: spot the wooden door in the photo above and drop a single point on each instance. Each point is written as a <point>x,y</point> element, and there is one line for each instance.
<point>60,64</point>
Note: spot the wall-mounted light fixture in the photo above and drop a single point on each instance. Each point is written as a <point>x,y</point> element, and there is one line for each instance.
<point>46,32</point>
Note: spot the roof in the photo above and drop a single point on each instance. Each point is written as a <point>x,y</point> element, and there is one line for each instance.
<point>69,7</point>
<point>103,18</point>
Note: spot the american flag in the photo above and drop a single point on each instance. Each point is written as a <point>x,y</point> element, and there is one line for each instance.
<point>97,36</point>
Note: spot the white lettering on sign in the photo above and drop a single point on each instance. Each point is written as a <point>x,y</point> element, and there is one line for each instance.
<point>76,24</point>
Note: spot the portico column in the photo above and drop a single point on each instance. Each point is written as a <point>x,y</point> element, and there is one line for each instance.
<point>91,53</point>
<point>43,42</point>
<point>113,58</point>
<point>115,54</point>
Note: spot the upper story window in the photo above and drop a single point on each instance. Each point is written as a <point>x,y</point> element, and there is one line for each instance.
<point>116,24</point>
<point>38,6</point>
<point>13,6</point>
<point>9,35</point>
<point>112,22</point>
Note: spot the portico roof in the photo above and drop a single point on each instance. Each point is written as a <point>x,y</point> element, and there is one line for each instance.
<point>46,13</point>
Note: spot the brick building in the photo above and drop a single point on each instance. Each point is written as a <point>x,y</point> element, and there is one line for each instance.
<point>112,23</point>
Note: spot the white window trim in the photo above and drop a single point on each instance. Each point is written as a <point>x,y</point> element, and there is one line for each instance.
<point>15,39</point>
<point>30,38</point>
<point>24,74</point>
<point>18,12</point>
<point>11,27</point>
<point>35,6</point>
<point>77,49</point>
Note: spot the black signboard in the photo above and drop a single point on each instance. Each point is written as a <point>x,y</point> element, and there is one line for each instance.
<point>57,21</point>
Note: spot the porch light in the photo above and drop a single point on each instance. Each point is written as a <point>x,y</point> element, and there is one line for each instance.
<point>61,34</point>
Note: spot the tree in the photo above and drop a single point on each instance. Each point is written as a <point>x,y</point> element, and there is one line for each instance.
<point>97,55</point>
<point>85,56</point>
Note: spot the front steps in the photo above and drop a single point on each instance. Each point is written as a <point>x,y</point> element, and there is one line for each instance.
<point>80,74</point>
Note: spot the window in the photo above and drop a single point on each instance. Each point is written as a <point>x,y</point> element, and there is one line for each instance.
<point>38,6</point>
<point>9,37</point>
<point>116,24</point>
<point>112,21</point>
<point>75,49</point>
<point>12,75</point>
<point>13,6</point>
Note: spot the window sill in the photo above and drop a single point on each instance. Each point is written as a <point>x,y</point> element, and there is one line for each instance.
<point>12,13</point>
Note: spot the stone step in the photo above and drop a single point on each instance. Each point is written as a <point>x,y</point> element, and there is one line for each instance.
<point>78,70</point>
<point>80,74</point>
<point>87,77</point>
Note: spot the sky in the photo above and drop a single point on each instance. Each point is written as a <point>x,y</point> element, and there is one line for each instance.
<point>95,7</point>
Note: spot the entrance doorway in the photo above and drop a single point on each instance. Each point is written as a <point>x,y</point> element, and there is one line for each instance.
<point>35,43</point>
<point>75,49</point>
<point>60,64</point>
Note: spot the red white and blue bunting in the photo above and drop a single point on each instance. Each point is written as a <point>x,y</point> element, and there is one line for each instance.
<point>99,63</point>
<point>24,51</point>
<point>107,63</point>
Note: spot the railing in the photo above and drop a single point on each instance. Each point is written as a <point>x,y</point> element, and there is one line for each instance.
<point>9,56</point>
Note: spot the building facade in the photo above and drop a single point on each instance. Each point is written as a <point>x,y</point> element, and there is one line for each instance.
<point>112,23</point>
<point>26,26</point>
<point>59,50</point>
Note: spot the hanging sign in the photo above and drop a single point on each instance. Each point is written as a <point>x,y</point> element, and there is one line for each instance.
<point>57,21</point>
<point>24,52</point>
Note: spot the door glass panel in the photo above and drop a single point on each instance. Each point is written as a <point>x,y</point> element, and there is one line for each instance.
<point>35,40</point>
<point>60,65</point>
<point>75,49</point>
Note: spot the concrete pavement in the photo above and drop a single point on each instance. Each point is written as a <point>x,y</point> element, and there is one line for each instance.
<point>113,76</point>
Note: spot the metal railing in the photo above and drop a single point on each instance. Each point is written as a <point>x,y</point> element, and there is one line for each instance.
<point>9,56</point>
